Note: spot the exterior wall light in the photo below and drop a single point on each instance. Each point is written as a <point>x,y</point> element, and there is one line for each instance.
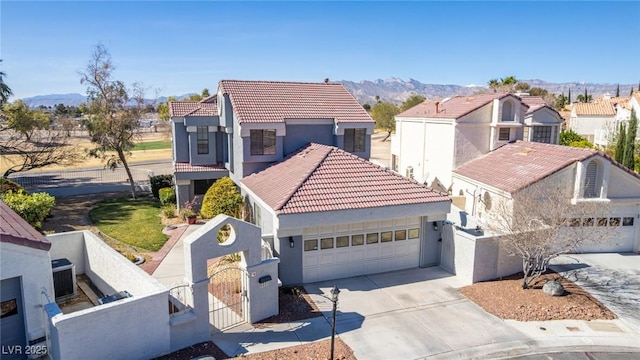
<point>435,226</point>
<point>292,244</point>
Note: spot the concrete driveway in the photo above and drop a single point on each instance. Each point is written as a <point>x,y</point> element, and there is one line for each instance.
<point>612,278</point>
<point>411,314</point>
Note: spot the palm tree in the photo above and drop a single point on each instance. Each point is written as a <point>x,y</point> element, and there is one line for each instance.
<point>493,84</point>
<point>5,90</point>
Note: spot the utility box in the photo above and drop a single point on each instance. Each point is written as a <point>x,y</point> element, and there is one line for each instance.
<point>64,278</point>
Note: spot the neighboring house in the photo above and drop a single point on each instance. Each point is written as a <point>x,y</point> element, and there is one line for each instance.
<point>249,125</point>
<point>593,176</point>
<point>330,214</point>
<point>435,137</point>
<point>593,121</point>
<point>623,110</point>
<point>23,290</point>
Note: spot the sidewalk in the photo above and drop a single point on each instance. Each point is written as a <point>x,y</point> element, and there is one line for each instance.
<point>170,271</point>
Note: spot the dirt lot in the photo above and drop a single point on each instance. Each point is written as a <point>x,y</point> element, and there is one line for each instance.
<point>84,144</point>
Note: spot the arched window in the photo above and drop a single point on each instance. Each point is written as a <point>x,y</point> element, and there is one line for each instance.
<point>591,186</point>
<point>507,111</point>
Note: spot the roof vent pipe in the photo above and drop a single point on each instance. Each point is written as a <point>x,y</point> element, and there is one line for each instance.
<point>437,103</point>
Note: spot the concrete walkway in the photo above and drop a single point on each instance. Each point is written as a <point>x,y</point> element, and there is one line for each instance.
<point>417,314</point>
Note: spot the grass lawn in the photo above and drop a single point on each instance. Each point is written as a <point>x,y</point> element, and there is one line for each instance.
<point>134,222</point>
<point>152,145</point>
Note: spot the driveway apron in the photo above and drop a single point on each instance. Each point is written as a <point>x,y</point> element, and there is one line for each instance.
<point>409,314</point>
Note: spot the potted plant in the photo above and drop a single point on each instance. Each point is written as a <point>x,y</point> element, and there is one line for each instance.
<point>188,213</point>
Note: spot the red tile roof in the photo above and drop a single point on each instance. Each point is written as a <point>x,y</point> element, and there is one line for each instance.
<point>595,109</point>
<point>534,102</point>
<point>205,107</point>
<point>187,167</point>
<point>273,102</point>
<point>453,108</point>
<point>15,230</point>
<point>517,165</point>
<point>325,178</point>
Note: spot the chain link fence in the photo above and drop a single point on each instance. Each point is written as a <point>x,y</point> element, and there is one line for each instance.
<point>74,178</point>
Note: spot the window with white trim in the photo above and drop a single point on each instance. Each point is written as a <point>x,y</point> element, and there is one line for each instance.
<point>203,139</point>
<point>542,134</point>
<point>507,111</point>
<point>504,134</point>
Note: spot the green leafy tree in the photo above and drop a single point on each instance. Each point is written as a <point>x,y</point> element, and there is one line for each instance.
<point>522,86</point>
<point>560,101</point>
<point>221,198</point>
<point>630,142</point>
<point>586,98</point>
<point>631,92</point>
<point>618,91</point>
<point>569,136</point>
<point>506,84</point>
<point>384,114</point>
<point>24,120</point>
<point>32,208</point>
<point>367,107</point>
<point>620,143</point>
<point>5,90</point>
<point>412,101</point>
<point>569,97</point>
<point>114,111</point>
<point>163,108</point>
<point>205,93</point>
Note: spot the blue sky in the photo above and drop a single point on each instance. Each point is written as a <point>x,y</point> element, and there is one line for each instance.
<point>181,47</point>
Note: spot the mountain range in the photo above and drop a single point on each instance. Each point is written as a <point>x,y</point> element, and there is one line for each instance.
<point>393,90</point>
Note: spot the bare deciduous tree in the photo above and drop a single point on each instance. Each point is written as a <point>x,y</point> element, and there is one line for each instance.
<point>43,148</point>
<point>114,111</point>
<point>540,222</point>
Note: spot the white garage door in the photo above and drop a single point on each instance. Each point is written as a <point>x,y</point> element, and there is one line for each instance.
<point>361,248</point>
<point>624,226</point>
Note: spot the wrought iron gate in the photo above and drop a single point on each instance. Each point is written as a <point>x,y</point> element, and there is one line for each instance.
<point>228,302</point>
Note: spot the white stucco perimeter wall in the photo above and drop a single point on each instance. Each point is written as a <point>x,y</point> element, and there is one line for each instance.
<point>108,270</point>
<point>34,266</point>
<point>133,328</point>
<point>482,258</point>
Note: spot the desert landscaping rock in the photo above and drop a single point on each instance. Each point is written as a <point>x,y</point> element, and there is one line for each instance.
<point>553,288</point>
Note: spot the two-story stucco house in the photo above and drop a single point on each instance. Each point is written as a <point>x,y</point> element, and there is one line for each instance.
<point>299,153</point>
<point>593,120</point>
<point>248,125</point>
<point>435,137</point>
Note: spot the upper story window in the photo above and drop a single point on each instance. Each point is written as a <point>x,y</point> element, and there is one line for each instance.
<point>542,134</point>
<point>591,183</point>
<point>507,111</point>
<point>504,134</point>
<point>263,142</point>
<point>203,140</point>
<point>354,140</point>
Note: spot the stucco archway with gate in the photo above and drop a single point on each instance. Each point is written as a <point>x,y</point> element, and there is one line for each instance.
<point>261,285</point>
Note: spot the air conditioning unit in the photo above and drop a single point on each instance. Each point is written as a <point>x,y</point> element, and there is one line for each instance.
<point>64,278</point>
<point>409,172</point>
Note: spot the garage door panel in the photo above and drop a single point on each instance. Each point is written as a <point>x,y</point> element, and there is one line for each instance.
<point>342,256</point>
<point>310,260</point>
<point>386,251</point>
<point>326,258</point>
<point>356,254</point>
<point>372,252</point>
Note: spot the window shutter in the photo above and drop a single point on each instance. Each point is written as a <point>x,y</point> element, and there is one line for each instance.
<point>590,180</point>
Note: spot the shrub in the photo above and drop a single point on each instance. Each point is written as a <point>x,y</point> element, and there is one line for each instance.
<point>7,185</point>
<point>221,198</point>
<point>187,209</point>
<point>169,210</point>
<point>158,182</point>
<point>33,208</point>
<point>167,195</point>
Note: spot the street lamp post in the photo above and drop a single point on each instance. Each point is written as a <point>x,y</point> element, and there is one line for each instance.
<point>334,298</point>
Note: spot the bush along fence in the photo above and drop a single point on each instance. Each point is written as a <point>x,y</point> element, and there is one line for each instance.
<point>72,178</point>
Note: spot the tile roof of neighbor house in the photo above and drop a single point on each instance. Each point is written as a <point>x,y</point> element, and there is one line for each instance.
<point>534,102</point>
<point>452,108</point>
<point>274,102</point>
<point>325,178</point>
<point>187,167</point>
<point>594,109</point>
<point>205,107</point>
<point>15,230</point>
<point>519,164</point>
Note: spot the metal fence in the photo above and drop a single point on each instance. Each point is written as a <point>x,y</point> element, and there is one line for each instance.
<point>71,178</point>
